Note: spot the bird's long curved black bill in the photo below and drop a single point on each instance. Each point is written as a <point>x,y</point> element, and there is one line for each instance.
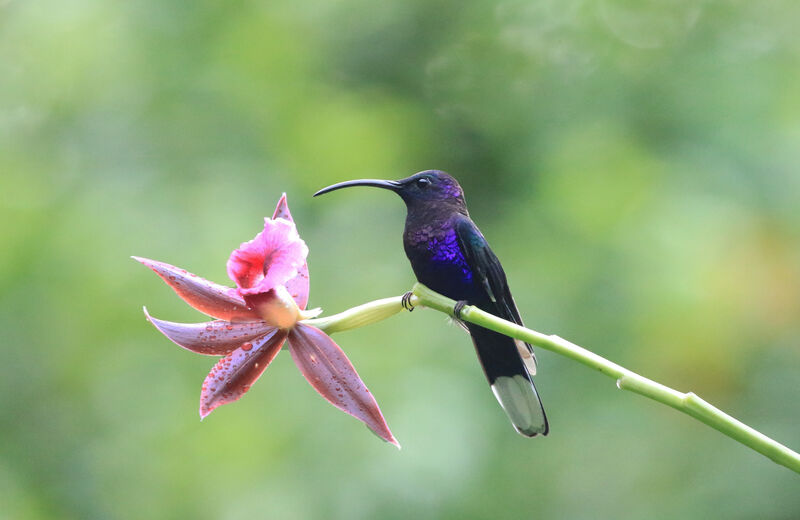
<point>375,183</point>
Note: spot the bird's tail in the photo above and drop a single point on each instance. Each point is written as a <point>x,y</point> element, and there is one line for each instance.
<point>510,381</point>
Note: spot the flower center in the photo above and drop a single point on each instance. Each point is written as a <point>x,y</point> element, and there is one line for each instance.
<point>276,307</point>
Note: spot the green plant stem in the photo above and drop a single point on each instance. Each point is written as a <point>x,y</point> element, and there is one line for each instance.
<point>359,316</point>
<point>687,403</point>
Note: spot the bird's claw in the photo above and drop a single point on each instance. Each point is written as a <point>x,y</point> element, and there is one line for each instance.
<point>405,301</point>
<point>458,307</point>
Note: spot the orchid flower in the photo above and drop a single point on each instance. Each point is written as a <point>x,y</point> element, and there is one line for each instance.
<point>255,319</point>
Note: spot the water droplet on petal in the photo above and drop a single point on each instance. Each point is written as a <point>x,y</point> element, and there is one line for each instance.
<point>247,346</point>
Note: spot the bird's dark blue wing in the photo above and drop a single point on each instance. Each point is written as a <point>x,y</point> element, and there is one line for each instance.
<point>502,357</point>
<point>489,272</point>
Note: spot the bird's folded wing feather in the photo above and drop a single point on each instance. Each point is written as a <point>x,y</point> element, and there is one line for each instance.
<point>489,271</point>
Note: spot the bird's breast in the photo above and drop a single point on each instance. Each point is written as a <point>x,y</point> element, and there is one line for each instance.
<point>438,261</point>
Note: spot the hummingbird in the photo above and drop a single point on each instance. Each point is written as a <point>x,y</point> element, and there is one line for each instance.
<point>450,255</point>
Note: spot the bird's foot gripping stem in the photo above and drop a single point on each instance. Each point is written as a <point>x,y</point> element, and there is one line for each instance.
<point>458,307</point>
<point>405,301</point>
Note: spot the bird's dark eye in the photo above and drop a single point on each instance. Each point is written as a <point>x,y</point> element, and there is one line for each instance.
<point>423,182</point>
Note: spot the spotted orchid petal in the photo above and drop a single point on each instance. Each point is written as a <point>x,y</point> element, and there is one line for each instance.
<point>298,284</point>
<point>298,287</point>
<point>233,375</point>
<point>282,210</point>
<point>207,297</point>
<point>273,257</point>
<point>212,338</point>
<point>331,374</point>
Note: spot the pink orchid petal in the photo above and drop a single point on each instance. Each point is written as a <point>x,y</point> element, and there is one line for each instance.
<point>233,375</point>
<point>274,256</point>
<point>282,210</point>
<point>331,374</point>
<point>207,297</point>
<point>213,338</point>
<point>298,285</point>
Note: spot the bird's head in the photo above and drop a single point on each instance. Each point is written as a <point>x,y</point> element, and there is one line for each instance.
<point>430,186</point>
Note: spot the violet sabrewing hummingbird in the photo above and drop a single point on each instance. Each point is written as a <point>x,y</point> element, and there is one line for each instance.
<point>450,255</point>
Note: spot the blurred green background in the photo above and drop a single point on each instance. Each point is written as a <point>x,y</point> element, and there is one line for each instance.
<point>633,163</point>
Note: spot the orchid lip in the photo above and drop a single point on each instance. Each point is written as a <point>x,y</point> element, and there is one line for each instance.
<point>376,183</point>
